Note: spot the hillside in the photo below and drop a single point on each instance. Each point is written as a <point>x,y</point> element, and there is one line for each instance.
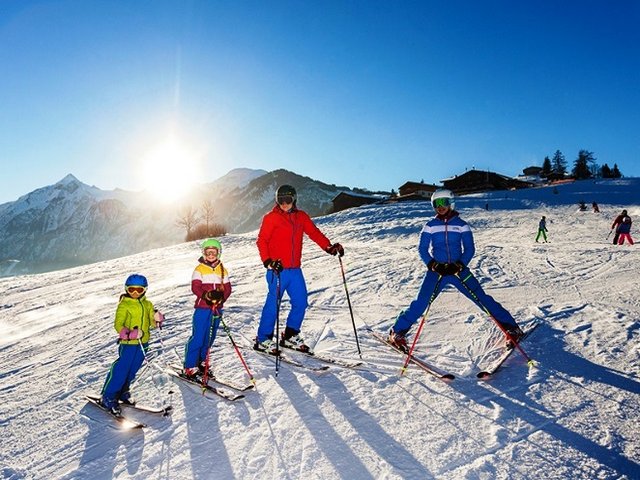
<point>575,416</point>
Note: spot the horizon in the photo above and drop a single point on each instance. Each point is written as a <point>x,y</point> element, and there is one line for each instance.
<point>366,94</point>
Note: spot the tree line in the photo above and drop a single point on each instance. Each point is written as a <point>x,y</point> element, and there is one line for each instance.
<point>584,167</point>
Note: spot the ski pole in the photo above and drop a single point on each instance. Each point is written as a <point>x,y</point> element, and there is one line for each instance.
<point>149,363</point>
<point>609,234</point>
<point>244,363</point>
<point>424,317</point>
<point>205,375</point>
<point>278,285</point>
<point>353,322</point>
<point>529,360</point>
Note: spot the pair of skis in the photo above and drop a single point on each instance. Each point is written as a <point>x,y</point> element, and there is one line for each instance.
<point>287,355</point>
<point>484,374</point>
<point>122,420</point>
<point>177,372</point>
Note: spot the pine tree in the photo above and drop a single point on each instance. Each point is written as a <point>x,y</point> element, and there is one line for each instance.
<point>615,173</point>
<point>559,164</point>
<point>581,167</point>
<point>546,167</point>
<point>605,171</point>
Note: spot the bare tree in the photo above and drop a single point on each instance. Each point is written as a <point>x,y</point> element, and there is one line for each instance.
<point>187,219</point>
<point>207,213</point>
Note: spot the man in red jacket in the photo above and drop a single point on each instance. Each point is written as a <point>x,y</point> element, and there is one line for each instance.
<point>280,246</point>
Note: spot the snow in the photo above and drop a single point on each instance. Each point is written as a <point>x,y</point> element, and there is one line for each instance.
<point>575,416</point>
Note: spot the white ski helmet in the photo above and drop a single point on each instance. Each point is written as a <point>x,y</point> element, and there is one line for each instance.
<point>445,198</point>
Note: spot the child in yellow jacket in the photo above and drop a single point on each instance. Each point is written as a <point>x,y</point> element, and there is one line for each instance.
<point>135,317</point>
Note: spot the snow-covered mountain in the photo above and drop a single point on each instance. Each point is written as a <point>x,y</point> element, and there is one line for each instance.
<point>575,416</point>
<point>70,223</point>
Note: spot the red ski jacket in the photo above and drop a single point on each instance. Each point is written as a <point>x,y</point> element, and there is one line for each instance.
<point>280,236</point>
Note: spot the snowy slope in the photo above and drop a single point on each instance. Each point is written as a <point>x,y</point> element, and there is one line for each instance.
<point>575,417</point>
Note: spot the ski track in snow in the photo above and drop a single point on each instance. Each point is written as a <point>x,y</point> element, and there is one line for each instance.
<point>575,416</point>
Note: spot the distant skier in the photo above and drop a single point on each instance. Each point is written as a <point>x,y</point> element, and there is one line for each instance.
<point>542,229</point>
<point>624,230</point>
<point>582,206</point>
<point>596,209</point>
<point>615,225</point>
<point>135,317</point>
<point>280,247</point>
<point>211,285</point>
<point>446,247</point>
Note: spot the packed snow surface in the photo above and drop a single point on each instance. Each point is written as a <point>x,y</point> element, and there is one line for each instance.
<point>574,416</point>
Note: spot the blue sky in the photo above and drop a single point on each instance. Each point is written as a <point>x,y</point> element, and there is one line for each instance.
<point>137,94</point>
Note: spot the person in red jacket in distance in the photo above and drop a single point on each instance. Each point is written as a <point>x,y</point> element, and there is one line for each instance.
<point>280,247</point>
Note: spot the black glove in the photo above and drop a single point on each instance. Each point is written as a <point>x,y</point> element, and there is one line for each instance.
<point>213,297</point>
<point>432,265</point>
<point>441,268</point>
<point>335,249</point>
<point>447,268</point>
<point>273,265</point>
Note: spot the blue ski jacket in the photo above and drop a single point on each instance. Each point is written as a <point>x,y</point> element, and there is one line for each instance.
<point>446,239</point>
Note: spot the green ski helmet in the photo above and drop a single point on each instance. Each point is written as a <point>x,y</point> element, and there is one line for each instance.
<point>443,198</point>
<point>211,243</point>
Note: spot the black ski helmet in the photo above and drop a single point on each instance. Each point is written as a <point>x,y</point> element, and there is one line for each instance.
<point>284,191</point>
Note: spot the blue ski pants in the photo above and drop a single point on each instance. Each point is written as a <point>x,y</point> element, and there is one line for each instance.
<point>122,373</point>
<point>292,282</point>
<point>204,326</point>
<point>466,283</point>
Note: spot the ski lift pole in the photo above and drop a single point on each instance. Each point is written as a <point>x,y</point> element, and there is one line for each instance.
<point>235,346</point>
<point>353,322</point>
<point>530,361</point>
<point>424,317</point>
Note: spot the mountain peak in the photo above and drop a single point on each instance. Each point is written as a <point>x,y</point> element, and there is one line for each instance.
<point>69,178</point>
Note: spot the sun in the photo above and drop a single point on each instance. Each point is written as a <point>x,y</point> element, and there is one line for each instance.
<point>169,170</point>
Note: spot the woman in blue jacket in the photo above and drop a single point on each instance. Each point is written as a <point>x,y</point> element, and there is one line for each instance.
<point>446,247</point>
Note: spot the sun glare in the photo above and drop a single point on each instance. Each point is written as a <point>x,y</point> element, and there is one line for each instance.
<point>169,170</point>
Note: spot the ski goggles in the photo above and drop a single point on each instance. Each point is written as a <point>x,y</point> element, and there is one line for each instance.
<point>211,252</point>
<point>282,199</point>
<point>135,289</point>
<point>441,202</point>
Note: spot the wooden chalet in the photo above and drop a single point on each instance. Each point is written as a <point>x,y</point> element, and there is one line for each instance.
<point>345,200</point>
<point>417,189</point>
<point>474,181</point>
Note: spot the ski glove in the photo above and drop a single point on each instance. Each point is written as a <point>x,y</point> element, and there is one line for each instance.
<point>461,266</point>
<point>446,268</point>
<point>273,265</point>
<point>135,334</point>
<point>213,297</point>
<point>124,334</point>
<point>159,318</point>
<point>335,249</point>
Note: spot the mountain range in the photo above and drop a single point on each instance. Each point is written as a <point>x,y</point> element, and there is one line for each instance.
<point>70,223</point>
